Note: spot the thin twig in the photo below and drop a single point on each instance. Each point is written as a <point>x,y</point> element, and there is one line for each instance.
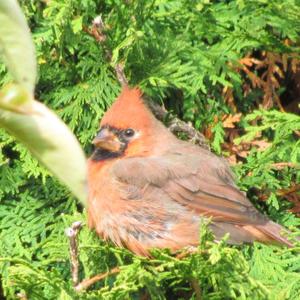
<point>189,251</point>
<point>86,283</point>
<point>176,125</point>
<point>196,287</point>
<point>97,31</point>
<point>71,233</point>
<point>119,69</point>
<point>196,137</point>
<point>297,132</point>
<point>292,189</point>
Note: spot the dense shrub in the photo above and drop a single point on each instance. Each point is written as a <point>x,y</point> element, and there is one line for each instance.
<point>228,67</point>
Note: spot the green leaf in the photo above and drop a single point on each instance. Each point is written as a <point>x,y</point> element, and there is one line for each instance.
<point>46,136</point>
<point>16,44</point>
<point>77,24</point>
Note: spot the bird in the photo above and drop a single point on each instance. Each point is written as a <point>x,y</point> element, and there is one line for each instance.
<point>148,189</point>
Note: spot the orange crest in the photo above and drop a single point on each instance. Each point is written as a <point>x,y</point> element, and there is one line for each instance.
<point>128,111</point>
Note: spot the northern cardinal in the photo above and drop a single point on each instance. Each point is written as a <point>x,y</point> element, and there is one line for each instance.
<point>149,189</point>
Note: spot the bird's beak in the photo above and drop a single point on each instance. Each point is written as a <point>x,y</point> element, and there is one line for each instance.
<point>107,140</point>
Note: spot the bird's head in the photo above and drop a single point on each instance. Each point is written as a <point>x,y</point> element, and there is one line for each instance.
<point>127,129</point>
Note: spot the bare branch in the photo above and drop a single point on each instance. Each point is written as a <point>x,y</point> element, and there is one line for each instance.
<point>196,287</point>
<point>71,233</point>
<point>176,125</point>
<point>97,31</point>
<point>119,69</point>
<point>83,285</point>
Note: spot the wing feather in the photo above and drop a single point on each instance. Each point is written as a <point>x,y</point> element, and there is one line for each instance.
<point>204,184</point>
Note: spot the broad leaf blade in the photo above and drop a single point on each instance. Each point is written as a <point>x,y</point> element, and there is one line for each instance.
<point>47,137</point>
<point>16,44</point>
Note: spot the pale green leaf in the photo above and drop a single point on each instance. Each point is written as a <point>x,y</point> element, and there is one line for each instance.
<point>16,45</point>
<point>46,136</point>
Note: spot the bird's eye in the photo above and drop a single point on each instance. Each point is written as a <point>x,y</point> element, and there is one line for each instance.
<point>128,133</point>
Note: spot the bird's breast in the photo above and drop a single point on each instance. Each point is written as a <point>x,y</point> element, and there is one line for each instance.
<point>145,220</point>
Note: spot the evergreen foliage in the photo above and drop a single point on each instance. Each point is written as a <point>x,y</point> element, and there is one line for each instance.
<point>222,65</point>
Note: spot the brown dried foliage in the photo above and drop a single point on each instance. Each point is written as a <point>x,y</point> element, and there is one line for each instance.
<point>266,71</point>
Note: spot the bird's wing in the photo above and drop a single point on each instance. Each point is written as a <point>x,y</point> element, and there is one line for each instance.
<point>199,181</point>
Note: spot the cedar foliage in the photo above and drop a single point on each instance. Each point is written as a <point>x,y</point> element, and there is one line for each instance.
<point>229,68</point>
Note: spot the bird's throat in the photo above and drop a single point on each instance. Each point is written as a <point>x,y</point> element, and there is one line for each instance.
<point>103,154</point>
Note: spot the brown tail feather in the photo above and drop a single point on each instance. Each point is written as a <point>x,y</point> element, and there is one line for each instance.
<point>270,232</point>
